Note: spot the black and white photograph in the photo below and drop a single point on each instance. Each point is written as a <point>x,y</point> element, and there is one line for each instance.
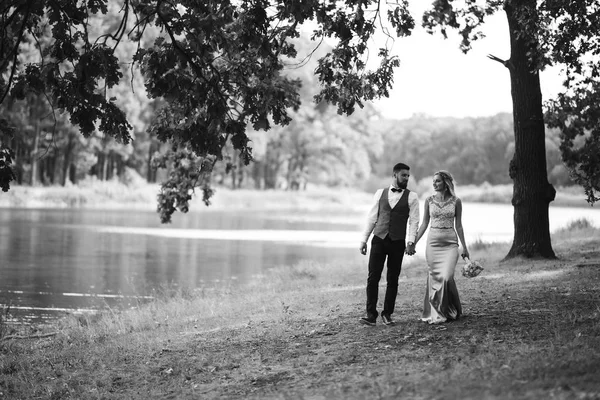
<point>312,200</point>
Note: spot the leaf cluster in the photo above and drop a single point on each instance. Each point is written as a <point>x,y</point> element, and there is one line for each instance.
<point>576,115</point>
<point>576,111</point>
<point>466,18</point>
<point>6,155</point>
<point>219,66</point>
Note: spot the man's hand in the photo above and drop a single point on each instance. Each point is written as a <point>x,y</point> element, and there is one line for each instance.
<point>410,249</point>
<point>363,248</point>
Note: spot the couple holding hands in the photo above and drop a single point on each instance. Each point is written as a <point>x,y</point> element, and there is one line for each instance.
<point>387,220</point>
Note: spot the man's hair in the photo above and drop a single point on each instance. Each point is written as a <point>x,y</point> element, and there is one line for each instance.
<point>400,166</point>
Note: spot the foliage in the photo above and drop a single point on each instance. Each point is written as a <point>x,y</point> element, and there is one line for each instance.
<point>216,64</point>
<point>577,111</point>
<point>6,155</point>
<point>319,145</point>
<point>576,116</point>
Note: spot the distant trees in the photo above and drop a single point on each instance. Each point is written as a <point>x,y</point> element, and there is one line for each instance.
<point>475,150</point>
<point>319,144</point>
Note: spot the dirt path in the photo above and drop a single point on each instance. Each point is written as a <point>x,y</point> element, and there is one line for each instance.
<point>524,336</point>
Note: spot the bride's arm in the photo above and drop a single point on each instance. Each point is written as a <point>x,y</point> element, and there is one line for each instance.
<point>459,227</point>
<point>425,222</point>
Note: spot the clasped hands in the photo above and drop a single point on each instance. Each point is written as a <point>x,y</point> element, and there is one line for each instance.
<point>410,249</point>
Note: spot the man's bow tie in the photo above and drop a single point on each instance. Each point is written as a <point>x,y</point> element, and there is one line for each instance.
<point>396,190</point>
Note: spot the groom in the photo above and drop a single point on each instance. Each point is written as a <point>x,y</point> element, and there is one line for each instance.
<point>392,208</point>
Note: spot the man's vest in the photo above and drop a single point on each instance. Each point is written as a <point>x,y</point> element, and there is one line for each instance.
<point>392,221</point>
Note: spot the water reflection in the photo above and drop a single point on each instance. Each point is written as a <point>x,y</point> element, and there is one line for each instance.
<point>47,253</point>
<point>53,260</point>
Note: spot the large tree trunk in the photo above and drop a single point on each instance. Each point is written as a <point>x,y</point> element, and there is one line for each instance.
<point>532,193</point>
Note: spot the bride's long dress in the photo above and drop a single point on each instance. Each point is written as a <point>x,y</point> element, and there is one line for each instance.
<point>441,298</point>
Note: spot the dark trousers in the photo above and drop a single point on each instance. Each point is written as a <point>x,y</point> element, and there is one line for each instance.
<point>394,251</point>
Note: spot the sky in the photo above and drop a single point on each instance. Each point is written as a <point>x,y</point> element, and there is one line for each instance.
<point>435,78</point>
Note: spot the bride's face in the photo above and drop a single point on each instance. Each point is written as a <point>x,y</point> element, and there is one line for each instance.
<point>438,184</point>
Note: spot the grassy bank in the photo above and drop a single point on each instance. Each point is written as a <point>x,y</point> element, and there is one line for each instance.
<point>531,330</point>
<point>140,195</point>
<point>115,195</point>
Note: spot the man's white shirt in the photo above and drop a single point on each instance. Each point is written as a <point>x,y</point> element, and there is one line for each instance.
<point>393,198</point>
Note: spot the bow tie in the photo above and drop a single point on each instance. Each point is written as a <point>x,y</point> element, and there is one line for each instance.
<point>396,190</point>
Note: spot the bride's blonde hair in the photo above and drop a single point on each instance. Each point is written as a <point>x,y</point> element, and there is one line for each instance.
<point>447,179</point>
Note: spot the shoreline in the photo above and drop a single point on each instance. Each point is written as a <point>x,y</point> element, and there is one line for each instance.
<point>114,195</point>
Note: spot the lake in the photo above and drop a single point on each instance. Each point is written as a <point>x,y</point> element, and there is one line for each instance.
<point>55,261</point>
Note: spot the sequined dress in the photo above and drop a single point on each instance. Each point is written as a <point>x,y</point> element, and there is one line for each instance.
<point>441,297</point>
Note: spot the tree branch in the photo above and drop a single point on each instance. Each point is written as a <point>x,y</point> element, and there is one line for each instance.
<point>16,53</point>
<point>506,63</point>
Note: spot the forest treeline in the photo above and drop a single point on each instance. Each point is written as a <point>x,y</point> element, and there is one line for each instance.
<point>319,145</point>
<point>475,150</point>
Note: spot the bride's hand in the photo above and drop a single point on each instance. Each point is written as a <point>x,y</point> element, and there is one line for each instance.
<point>465,254</point>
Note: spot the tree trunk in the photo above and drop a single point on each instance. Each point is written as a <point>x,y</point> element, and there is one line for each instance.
<point>35,177</point>
<point>241,170</point>
<point>54,173</point>
<point>73,174</point>
<point>104,167</point>
<point>257,174</point>
<point>18,162</point>
<point>67,160</point>
<point>151,171</point>
<point>110,166</point>
<point>532,193</point>
<point>271,169</point>
<point>233,173</point>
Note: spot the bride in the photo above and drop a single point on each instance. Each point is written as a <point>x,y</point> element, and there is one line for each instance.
<point>444,211</point>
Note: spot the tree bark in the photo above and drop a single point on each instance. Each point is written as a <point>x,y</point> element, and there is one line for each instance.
<point>104,167</point>
<point>150,171</point>
<point>73,174</point>
<point>257,174</point>
<point>271,169</point>
<point>35,177</point>
<point>67,159</point>
<point>532,193</point>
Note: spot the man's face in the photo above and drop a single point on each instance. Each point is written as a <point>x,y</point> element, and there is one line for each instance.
<point>402,177</point>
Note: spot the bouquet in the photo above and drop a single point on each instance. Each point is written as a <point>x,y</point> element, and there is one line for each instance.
<point>471,268</point>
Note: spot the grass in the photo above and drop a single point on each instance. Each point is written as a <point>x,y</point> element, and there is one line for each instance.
<point>531,330</point>
<point>140,195</point>
<point>485,193</point>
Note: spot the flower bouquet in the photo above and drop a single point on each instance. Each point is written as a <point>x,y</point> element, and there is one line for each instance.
<point>471,268</point>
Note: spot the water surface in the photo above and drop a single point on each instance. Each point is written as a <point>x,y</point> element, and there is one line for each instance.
<point>54,261</point>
